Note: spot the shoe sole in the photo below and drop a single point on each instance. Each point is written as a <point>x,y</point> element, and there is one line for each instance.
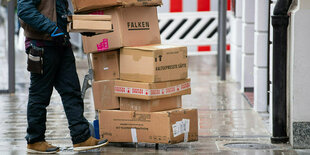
<point>40,152</point>
<point>84,148</point>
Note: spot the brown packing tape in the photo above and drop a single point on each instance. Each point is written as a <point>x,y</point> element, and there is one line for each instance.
<point>136,54</point>
<point>133,77</point>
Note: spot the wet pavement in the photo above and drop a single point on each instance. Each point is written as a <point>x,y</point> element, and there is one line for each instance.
<point>225,116</point>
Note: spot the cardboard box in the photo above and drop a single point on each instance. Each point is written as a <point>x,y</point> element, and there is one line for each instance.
<point>153,63</point>
<point>106,65</point>
<point>132,26</point>
<point>128,104</point>
<point>166,127</point>
<point>90,23</point>
<point>104,98</point>
<point>89,5</point>
<point>150,91</point>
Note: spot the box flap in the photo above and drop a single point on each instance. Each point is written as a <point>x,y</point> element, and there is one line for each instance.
<point>90,26</point>
<point>89,5</point>
<point>92,17</point>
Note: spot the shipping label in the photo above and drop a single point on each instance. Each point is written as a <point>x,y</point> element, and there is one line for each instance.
<point>186,137</point>
<point>134,135</point>
<point>152,92</point>
<point>181,127</point>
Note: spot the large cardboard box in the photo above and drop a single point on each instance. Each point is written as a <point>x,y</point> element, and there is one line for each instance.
<point>153,63</point>
<point>150,91</point>
<point>104,98</point>
<point>132,26</point>
<point>90,23</point>
<point>106,65</point>
<point>89,5</point>
<point>128,104</point>
<point>166,127</point>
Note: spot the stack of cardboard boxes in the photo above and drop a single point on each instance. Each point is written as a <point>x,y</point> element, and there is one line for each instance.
<point>138,82</point>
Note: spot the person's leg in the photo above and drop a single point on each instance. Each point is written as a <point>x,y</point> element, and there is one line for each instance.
<point>68,86</point>
<point>40,90</point>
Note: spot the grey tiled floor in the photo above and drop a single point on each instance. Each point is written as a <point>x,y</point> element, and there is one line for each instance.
<point>224,117</point>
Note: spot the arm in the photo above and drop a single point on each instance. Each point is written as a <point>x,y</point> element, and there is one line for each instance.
<point>27,11</point>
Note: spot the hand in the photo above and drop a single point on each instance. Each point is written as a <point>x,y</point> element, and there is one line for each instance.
<point>59,37</point>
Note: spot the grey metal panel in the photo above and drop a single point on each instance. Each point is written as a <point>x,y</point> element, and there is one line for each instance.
<point>214,5</point>
<point>165,8</point>
<point>189,5</point>
<point>222,39</point>
<point>11,45</point>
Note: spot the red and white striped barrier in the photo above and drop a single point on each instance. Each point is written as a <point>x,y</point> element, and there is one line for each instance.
<point>190,5</point>
<point>186,8</point>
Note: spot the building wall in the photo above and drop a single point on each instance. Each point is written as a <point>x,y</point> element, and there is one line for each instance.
<point>236,43</point>
<point>261,55</point>
<point>272,5</point>
<point>299,75</point>
<point>247,73</point>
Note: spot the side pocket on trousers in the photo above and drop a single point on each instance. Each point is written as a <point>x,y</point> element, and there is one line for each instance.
<point>35,59</point>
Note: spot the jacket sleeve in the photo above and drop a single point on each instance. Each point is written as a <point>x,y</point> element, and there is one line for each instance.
<point>27,11</point>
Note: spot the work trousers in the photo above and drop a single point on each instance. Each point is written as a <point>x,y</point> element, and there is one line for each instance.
<point>59,71</point>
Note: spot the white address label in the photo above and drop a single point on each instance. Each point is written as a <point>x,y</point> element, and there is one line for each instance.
<point>180,127</point>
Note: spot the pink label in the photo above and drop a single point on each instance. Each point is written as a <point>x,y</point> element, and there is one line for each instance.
<point>104,45</point>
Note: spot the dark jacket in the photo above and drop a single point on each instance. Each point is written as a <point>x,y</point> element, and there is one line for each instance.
<point>39,18</point>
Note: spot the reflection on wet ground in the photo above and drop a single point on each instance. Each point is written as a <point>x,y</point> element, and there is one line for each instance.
<point>224,117</point>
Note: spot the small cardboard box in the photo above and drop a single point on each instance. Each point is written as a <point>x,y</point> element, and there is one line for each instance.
<point>106,65</point>
<point>128,104</point>
<point>90,23</point>
<point>153,63</point>
<point>132,26</point>
<point>166,127</point>
<point>104,98</point>
<point>89,5</point>
<point>150,91</point>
